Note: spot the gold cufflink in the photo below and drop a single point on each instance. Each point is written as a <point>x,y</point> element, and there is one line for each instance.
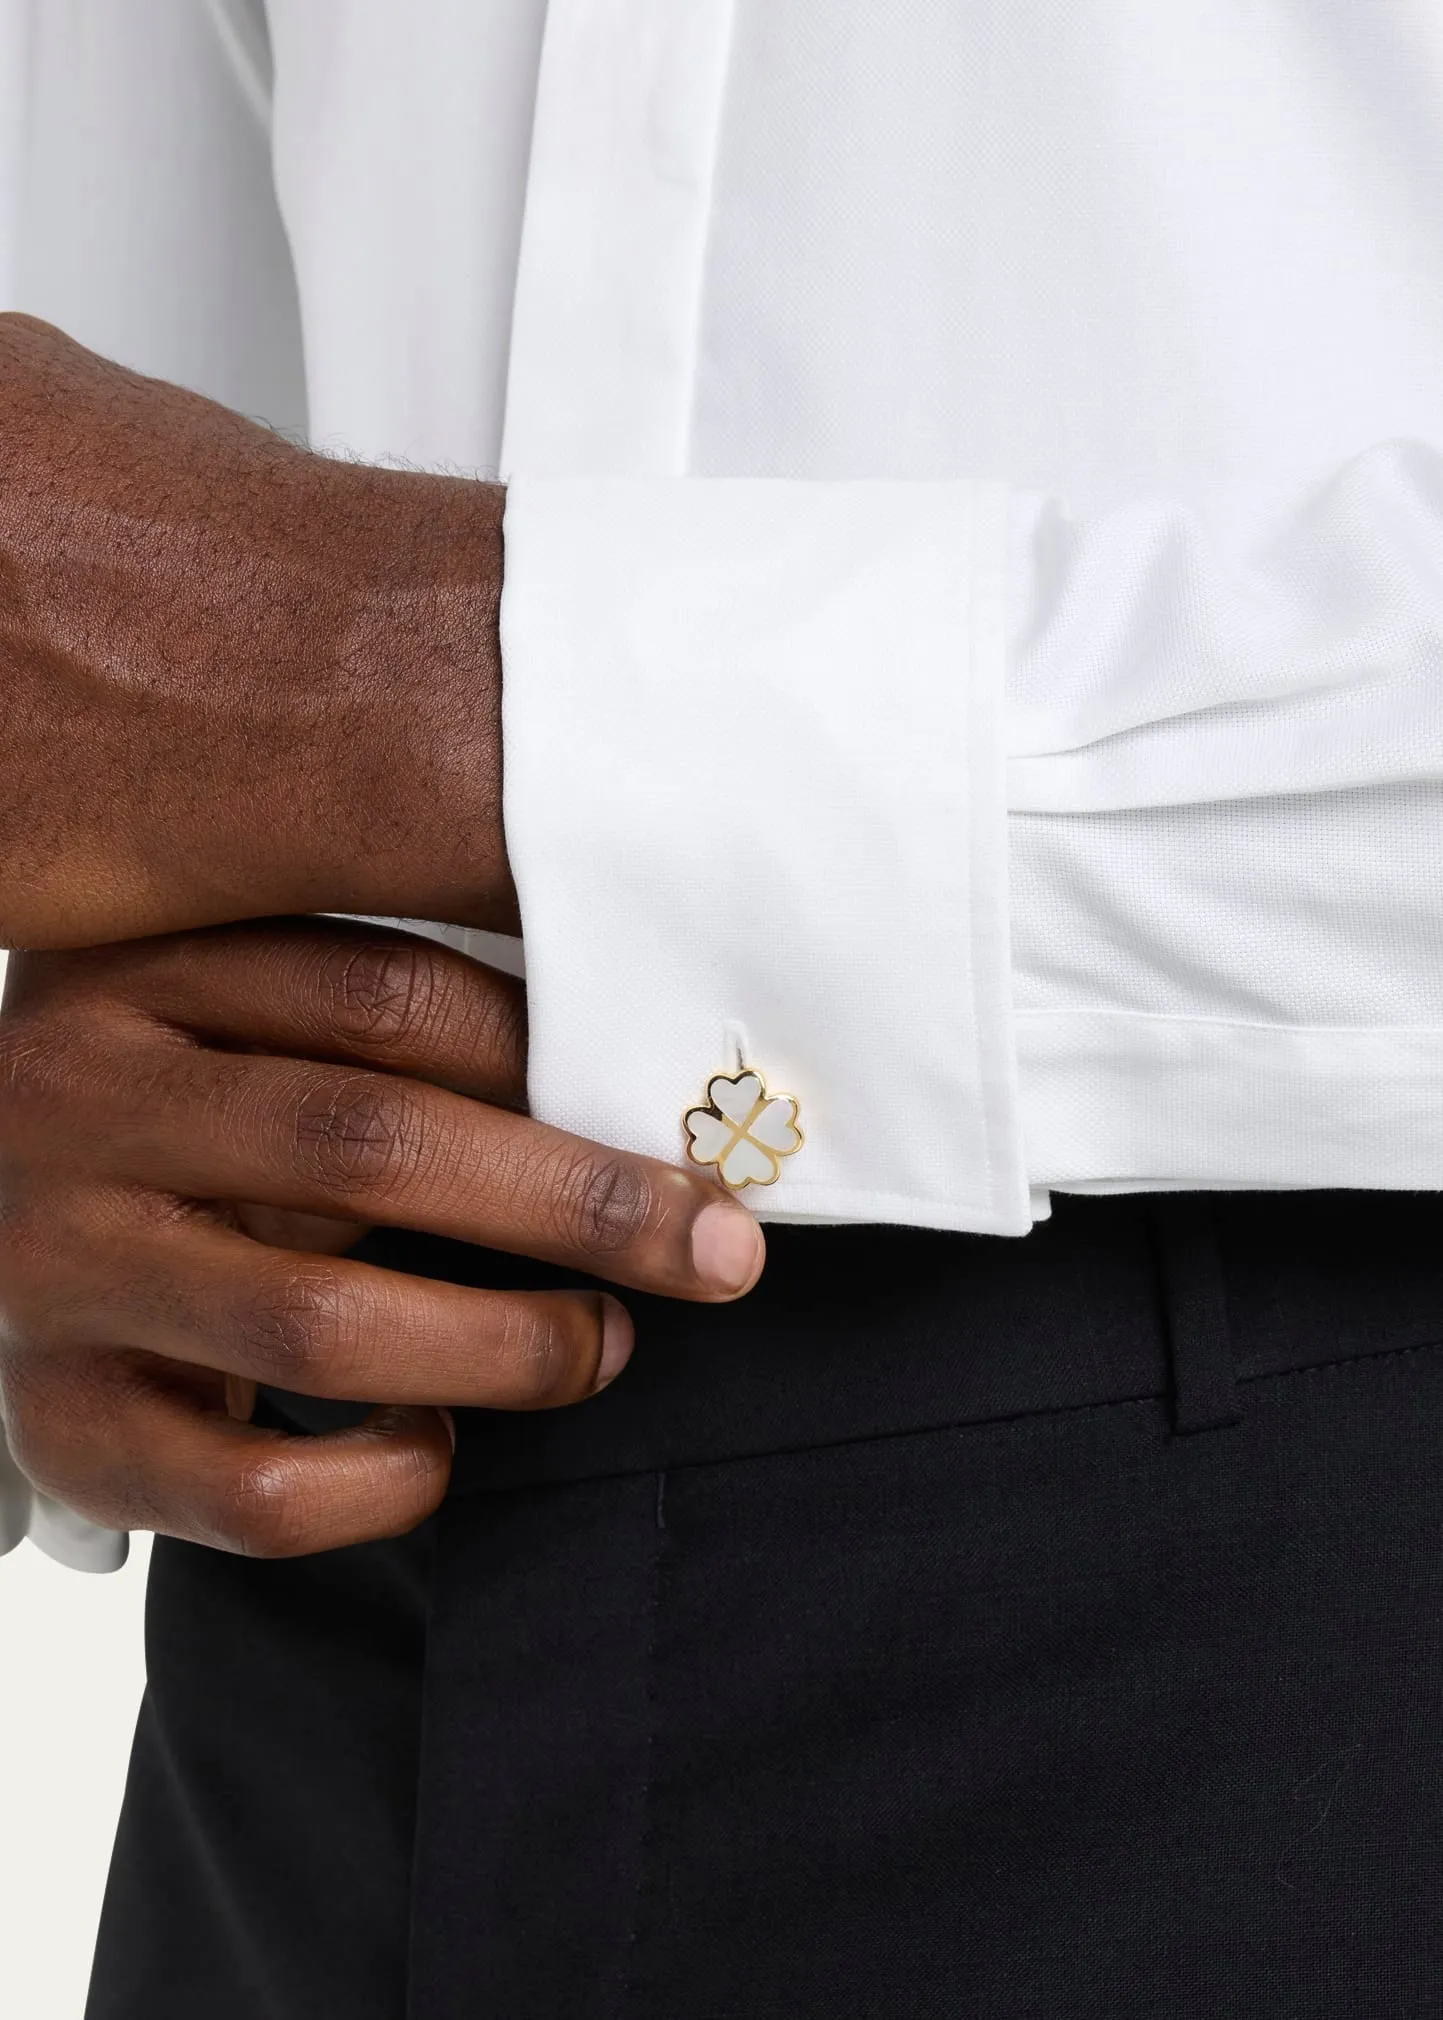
<point>742,1130</point>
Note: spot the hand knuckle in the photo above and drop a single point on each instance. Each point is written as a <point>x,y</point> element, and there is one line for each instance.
<point>13,1065</point>
<point>607,1203</point>
<point>26,1424</point>
<point>379,991</point>
<point>498,1028</point>
<point>356,1135</point>
<point>52,1415</point>
<point>537,1348</point>
<point>77,1429</point>
<point>295,1328</point>
<point>29,1247</point>
<point>43,1458</point>
<point>37,1075</point>
<point>16,325</point>
<point>46,1259</point>
<point>258,1511</point>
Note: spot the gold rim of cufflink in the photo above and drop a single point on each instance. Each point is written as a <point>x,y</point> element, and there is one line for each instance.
<point>743,1139</point>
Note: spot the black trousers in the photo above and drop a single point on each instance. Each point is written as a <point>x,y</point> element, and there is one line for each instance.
<point>959,1629</point>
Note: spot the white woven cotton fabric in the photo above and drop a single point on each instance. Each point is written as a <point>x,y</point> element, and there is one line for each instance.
<point>792,821</point>
<point>1166,279</point>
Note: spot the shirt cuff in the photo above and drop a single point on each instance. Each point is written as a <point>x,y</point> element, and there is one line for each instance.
<point>58,1531</point>
<point>755,806</point>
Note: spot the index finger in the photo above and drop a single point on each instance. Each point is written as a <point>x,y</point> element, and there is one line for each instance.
<point>328,989</point>
<point>376,1147</point>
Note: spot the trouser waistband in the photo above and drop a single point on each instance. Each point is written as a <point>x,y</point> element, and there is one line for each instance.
<point>1181,1298</point>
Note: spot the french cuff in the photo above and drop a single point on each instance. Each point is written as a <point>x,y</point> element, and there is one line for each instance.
<point>58,1531</point>
<point>755,813</point>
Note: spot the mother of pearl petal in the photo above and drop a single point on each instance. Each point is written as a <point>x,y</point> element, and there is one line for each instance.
<point>709,1134</point>
<point>748,1163</point>
<point>735,1098</point>
<point>774,1125</point>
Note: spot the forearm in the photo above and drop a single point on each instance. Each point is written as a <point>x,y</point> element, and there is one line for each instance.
<point>399,789</point>
<point>240,678</point>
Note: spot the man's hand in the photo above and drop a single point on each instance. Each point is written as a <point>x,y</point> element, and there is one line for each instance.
<point>239,679</point>
<point>312,1070</point>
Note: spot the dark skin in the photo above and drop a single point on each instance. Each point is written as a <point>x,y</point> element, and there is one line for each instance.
<point>243,681</point>
<point>240,680</point>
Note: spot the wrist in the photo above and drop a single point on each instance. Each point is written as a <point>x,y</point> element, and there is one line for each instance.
<point>405,809</point>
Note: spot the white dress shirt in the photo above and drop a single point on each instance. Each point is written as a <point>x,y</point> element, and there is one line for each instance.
<point>973,628</point>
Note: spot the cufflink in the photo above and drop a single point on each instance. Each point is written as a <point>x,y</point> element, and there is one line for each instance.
<point>742,1130</point>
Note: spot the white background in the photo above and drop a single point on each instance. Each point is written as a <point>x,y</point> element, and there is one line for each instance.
<point>71,1672</point>
<point>70,1682</point>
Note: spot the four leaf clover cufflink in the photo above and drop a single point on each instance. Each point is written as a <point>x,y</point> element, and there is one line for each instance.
<point>742,1130</point>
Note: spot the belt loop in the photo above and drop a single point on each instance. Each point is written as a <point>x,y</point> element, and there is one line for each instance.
<point>1195,1310</point>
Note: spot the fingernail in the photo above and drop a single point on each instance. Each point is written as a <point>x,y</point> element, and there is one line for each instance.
<point>449,1421</point>
<point>617,1340</point>
<point>726,1247</point>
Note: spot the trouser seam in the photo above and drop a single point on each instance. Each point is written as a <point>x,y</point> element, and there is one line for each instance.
<point>1197,1322</point>
<point>629,1985</point>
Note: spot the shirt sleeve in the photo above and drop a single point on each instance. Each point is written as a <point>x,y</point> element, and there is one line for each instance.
<point>1225,782</point>
<point>137,201</point>
<point>1025,850</point>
